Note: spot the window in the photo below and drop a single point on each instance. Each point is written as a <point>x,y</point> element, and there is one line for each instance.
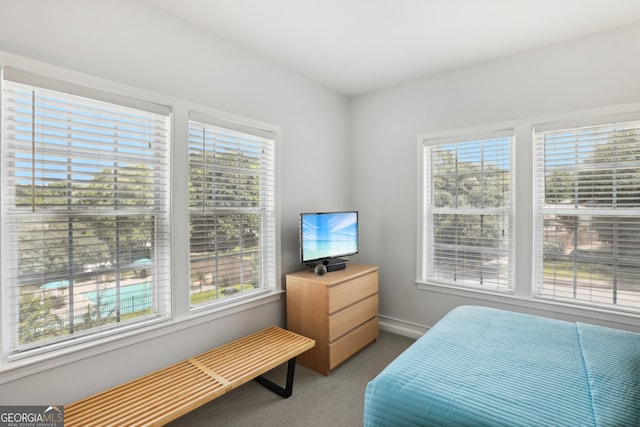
<point>467,212</point>
<point>85,224</point>
<point>587,192</point>
<point>231,211</point>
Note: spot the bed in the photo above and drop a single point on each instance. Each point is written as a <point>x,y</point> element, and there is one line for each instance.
<point>485,367</point>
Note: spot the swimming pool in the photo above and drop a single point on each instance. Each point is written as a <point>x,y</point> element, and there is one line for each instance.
<point>132,298</point>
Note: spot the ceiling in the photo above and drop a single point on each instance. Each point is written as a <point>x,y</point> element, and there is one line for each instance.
<point>358,46</point>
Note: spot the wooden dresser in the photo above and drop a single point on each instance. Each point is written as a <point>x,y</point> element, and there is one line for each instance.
<point>339,310</point>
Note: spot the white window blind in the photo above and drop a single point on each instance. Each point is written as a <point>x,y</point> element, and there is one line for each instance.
<point>231,212</point>
<point>85,219</point>
<point>467,212</point>
<point>587,190</point>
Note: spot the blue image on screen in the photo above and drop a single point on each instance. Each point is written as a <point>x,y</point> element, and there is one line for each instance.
<point>327,235</point>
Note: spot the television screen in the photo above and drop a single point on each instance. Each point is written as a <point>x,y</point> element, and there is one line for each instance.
<point>326,235</point>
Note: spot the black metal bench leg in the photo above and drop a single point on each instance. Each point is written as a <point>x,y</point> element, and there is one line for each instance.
<point>288,389</point>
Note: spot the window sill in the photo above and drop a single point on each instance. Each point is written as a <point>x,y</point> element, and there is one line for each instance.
<point>25,366</point>
<point>615,319</point>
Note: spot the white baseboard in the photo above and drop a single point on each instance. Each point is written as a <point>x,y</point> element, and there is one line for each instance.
<point>401,327</point>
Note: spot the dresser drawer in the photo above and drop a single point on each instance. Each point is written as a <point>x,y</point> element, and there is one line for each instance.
<point>351,317</point>
<point>346,293</point>
<point>349,344</point>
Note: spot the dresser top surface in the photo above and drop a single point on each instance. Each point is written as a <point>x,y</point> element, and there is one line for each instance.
<point>350,272</point>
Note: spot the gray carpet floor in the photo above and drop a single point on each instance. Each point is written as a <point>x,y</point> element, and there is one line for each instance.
<point>317,400</point>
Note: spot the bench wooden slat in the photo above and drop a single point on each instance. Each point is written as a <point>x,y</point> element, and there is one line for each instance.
<point>123,401</point>
<point>161,400</point>
<point>157,382</point>
<point>164,395</point>
<point>260,352</point>
<point>209,372</point>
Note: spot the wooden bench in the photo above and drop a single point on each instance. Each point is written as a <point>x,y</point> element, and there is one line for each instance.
<point>164,395</point>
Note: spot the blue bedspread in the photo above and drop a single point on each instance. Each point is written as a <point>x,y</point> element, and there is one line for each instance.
<point>485,367</point>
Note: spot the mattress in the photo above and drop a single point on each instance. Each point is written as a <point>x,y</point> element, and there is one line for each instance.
<point>485,367</point>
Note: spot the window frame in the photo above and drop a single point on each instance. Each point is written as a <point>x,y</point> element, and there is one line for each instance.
<point>55,107</point>
<point>524,296</point>
<point>459,136</point>
<point>267,209</point>
<point>182,318</point>
<point>575,126</point>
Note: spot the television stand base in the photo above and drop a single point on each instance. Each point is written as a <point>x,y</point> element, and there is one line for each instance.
<point>336,266</point>
<point>331,264</point>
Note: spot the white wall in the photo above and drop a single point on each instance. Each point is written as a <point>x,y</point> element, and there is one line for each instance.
<point>132,43</point>
<point>587,73</point>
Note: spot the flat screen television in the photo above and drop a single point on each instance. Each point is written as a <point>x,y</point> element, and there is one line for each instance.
<point>325,237</point>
